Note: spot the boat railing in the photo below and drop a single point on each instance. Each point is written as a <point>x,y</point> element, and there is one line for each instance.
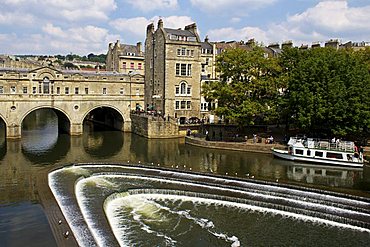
<point>343,146</point>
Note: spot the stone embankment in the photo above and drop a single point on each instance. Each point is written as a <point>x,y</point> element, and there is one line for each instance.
<point>237,146</point>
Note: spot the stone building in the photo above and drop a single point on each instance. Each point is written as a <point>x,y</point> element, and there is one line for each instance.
<point>16,62</point>
<point>208,75</point>
<point>125,59</point>
<point>173,69</point>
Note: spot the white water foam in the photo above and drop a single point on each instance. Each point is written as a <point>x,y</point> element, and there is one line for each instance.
<point>112,206</point>
<point>288,200</point>
<point>84,207</point>
<point>265,187</point>
<point>69,213</point>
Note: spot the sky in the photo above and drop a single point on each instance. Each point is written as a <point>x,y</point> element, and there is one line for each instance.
<point>51,27</point>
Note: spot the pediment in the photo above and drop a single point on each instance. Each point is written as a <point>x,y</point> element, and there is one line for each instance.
<point>43,72</point>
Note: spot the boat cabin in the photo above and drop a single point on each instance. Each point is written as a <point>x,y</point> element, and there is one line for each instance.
<point>322,149</point>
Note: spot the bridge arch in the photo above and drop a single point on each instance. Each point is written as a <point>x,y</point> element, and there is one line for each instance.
<point>64,120</point>
<point>106,115</point>
<point>3,147</point>
<point>2,118</point>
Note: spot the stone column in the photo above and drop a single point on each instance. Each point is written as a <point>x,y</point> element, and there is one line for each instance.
<point>76,129</point>
<point>13,131</point>
<point>127,125</point>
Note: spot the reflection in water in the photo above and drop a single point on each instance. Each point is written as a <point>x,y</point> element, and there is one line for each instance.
<point>41,142</point>
<point>28,223</point>
<point>39,131</point>
<point>2,140</point>
<point>325,175</point>
<point>98,142</point>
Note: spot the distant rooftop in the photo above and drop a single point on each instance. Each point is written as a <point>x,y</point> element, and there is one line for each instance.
<point>70,72</point>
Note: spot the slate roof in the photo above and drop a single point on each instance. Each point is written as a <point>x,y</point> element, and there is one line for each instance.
<point>206,45</point>
<point>179,32</point>
<point>67,72</point>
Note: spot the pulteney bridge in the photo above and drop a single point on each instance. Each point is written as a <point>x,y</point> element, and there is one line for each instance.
<point>74,96</point>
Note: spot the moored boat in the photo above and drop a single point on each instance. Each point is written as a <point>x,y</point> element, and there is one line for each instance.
<point>343,153</point>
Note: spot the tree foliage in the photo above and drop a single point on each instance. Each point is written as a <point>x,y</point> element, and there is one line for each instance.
<point>327,90</point>
<point>320,91</point>
<point>248,86</point>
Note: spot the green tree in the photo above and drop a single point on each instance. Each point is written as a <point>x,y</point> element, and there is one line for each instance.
<point>69,65</point>
<point>248,86</point>
<point>326,91</point>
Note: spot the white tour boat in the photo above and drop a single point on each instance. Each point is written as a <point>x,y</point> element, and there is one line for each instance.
<point>342,153</point>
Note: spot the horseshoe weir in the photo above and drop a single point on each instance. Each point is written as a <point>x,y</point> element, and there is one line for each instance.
<point>126,204</point>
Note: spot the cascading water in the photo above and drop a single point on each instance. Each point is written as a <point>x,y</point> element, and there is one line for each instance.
<point>111,205</point>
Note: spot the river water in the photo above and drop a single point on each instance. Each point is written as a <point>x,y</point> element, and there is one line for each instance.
<point>155,217</point>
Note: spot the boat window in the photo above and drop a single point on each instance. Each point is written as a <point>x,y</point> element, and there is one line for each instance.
<point>318,154</point>
<point>308,152</point>
<point>299,151</point>
<point>318,172</point>
<point>334,155</point>
<point>333,173</point>
<point>298,170</point>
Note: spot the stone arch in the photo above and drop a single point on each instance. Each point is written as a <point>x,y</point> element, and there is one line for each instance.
<point>2,118</point>
<point>107,115</point>
<point>2,137</point>
<point>64,120</point>
<point>45,72</point>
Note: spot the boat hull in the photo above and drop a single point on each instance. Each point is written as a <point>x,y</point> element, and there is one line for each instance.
<point>283,154</point>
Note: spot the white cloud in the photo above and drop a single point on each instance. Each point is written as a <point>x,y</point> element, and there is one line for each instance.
<point>53,30</point>
<point>69,10</point>
<point>16,18</point>
<point>235,20</point>
<point>137,26</point>
<point>327,19</point>
<point>56,40</point>
<point>146,6</point>
<point>333,16</point>
<point>238,34</point>
<point>241,7</point>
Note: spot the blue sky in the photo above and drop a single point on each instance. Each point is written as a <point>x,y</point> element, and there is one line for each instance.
<point>88,26</point>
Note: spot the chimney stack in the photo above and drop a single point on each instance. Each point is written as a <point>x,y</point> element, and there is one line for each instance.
<point>332,43</point>
<point>138,47</point>
<point>160,23</point>
<point>287,44</point>
<point>192,28</point>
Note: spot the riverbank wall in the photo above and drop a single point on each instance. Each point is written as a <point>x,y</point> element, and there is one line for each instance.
<point>236,146</point>
<point>154,126</point>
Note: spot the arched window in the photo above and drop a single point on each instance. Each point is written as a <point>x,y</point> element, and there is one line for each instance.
<point>183,88</point>
<point>46,85</point>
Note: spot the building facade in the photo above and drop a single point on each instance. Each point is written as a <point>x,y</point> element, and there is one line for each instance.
<point>208,75</point>
<point>127,59</point>
<point>173,69</point>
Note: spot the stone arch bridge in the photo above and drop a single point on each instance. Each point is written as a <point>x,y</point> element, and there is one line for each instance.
<point>72,95</point>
